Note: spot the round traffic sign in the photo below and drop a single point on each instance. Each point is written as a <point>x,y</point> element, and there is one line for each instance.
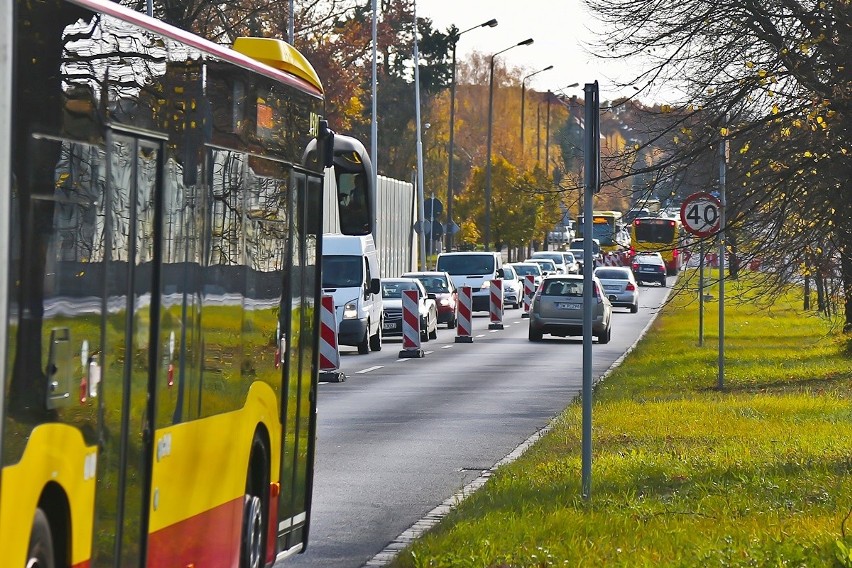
<point>701,214</point>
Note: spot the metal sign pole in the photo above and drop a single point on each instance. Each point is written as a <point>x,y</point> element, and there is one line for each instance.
<point>592,182</point>
<point>723,151</point>
<point>701,293</point>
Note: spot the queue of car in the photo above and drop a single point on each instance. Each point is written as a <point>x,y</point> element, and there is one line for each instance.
<point>556,306</point>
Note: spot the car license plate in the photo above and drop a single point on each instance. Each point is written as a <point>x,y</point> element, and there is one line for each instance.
<point>567,306</point>
<point>389,325</point>
<point>646,269</point>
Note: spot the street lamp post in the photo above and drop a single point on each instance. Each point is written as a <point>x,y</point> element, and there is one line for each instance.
<point>523,89</point>
<point>527,41</point>
<point>489,24</point>
<point>547,138</point>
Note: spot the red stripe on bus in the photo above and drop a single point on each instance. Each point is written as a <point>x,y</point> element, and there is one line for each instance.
<point>211,538</point>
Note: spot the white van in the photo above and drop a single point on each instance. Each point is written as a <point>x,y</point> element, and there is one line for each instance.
<point>350,273</point>
<point>474,269</point>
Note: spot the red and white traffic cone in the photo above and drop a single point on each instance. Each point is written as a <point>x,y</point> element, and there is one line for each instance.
<point>463,328</point>
<point>496,304</point>
<point>410,325</point>
<point>529,290</point>
<point>329,353</point>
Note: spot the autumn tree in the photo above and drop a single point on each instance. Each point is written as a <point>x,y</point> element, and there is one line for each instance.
<point>771,80</point>
<point>520,210</point>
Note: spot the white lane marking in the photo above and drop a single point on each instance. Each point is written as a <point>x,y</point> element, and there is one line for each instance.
<point>368,369</point>
<point>481,335</point>
<point>403,360</point>
<point>447,347</point>
<point>427,352</point>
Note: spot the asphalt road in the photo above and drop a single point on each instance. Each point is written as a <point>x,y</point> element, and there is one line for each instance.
<point>400,436</point>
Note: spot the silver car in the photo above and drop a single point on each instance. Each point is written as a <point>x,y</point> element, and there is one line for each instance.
<point>620,286</point>
<point>557,309</point>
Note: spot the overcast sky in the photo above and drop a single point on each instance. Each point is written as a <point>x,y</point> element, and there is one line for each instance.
<point>559,28</point>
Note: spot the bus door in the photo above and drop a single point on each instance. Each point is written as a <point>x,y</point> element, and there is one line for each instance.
<point>134,173</point>
<point>300,323</point>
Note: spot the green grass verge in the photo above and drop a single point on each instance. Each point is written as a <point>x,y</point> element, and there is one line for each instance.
<point>684,474</point>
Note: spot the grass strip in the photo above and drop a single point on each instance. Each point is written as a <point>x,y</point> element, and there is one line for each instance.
<point>757,474</point>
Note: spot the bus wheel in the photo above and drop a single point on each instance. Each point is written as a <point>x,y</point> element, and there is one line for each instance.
<point>252,546</point>
<point>40,551</point>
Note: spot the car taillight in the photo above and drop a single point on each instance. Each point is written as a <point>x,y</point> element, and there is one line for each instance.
<point>635,266</point>
<point>630,287</point>
<point>674,253</point>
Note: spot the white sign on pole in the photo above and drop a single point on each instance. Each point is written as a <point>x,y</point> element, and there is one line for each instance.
<point>701,214</point>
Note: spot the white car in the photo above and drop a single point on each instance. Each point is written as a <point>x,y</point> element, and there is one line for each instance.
<point>522,269</point>
<point>555,256</point>
<point>547,266</point>
<point>513,288</point>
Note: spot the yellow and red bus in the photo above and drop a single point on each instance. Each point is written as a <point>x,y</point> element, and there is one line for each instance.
<point>606,228</point>
<point>658,234</point>
<point>161,222</point>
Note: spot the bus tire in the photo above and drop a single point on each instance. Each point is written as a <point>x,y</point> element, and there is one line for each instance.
<point>40,550</point>
<point>253,535</point>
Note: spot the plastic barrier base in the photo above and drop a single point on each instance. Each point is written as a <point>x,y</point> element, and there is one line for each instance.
<point>335,376</point>
<point>411,354</point>
<point>495,326</point>
<point>464,339</point>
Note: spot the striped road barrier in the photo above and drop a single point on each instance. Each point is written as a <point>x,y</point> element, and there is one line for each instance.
<point>410,325</point>
<point>496,304</point>
<point>529,290</point>
<point>329,351</point>
<point>464,331</point>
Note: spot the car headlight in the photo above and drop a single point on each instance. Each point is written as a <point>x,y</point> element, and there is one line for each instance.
<point>445,301</point>
<point>350,310</point>
<point>485,285</point>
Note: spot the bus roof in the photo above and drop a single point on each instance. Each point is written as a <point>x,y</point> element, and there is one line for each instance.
<point>285,74</point>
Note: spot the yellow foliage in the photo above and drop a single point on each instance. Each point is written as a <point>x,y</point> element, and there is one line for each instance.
<point>745,148</point>
<point>775,109</point>
<point>749,64</point>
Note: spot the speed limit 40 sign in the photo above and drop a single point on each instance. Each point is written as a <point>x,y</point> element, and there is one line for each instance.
<point>701,214</point>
